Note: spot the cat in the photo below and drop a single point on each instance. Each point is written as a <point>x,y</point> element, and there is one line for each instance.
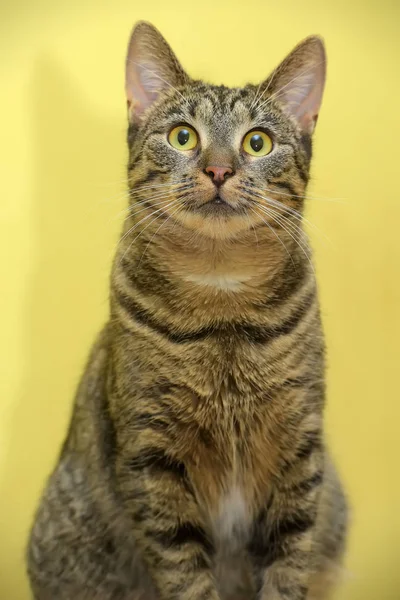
<point>195,466</point>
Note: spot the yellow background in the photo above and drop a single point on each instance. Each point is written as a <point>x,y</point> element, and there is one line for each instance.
<point>63,152</point>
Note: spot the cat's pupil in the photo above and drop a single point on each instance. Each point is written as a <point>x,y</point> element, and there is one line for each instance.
<point>256,142</point>
<point>183,137</point>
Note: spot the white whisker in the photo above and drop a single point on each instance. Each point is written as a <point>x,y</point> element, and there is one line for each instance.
<point>274,232</point>
<point>155,233</point>
<point>305,197</point>
<point>137,190</point>
<point>266,89</point>
<point>296,214</point>
<point>305,249</point>
<point>295,228</point>
<point>162,198</point>
<point>142,221</point>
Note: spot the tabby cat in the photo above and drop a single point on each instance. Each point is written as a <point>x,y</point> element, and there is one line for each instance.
<point>195,466</point>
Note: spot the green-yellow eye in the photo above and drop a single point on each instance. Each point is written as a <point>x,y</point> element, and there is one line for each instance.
<point>183,138</point>
<point>257,143</point>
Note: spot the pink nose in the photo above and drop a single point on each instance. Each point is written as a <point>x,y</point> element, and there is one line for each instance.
<point>218,174</point>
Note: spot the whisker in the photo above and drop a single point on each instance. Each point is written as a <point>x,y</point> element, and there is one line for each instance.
<point>137,190</point>
<point>273,210</point>
<point>255,97</point>
<point>253,228</point>
<point>164,198</point>
<point>124,182</point>
<point>155,233</point>
<point>296,214</point>
<point>143,219</point>
<point>274,232</point>
<point>295,228</point>
<point>130,209</point>
<point>159,194</point>
<point>320,198</point>
<point>148,224</point>
<point>127,195</point>
<point>133,192</point>
<point>342,200</point>
<point>278,220</point>
<point>266,89</point>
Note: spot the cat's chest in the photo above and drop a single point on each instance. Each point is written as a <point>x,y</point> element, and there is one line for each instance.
<point>233,473</point>
<point>232,517</point>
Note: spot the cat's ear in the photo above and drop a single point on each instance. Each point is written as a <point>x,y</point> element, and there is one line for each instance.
<point>151,67</point>
<point>298,82</point>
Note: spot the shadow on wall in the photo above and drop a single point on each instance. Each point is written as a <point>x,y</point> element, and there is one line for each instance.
<point>74,233</point>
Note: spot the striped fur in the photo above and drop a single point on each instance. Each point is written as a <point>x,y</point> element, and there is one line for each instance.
<point>195,467</point>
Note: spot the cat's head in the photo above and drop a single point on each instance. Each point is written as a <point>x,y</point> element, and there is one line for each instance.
<point>219,160</point>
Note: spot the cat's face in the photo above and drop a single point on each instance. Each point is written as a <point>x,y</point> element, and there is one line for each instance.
<point>218,160</point>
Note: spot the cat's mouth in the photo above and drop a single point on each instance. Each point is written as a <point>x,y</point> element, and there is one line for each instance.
<point>218,201</point>
<point>216,206</point>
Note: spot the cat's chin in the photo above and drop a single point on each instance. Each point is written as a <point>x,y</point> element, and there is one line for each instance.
<point>215,221</point>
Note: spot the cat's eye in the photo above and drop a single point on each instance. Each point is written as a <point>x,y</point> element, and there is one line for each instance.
<point>183,138</point>
<point>257,143</point>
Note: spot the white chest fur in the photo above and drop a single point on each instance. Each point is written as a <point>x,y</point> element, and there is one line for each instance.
<point>233,519</point>
<point>228,283</point>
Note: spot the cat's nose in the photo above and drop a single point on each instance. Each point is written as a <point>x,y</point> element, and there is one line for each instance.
<point>218,174</point>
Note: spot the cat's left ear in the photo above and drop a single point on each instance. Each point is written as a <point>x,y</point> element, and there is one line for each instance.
<point>298,82</point>
<point>151,67</point>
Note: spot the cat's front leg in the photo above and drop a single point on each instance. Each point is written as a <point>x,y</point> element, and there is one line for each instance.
<point>166,520</point>
<point>282,545</point>
<point>283,557</point>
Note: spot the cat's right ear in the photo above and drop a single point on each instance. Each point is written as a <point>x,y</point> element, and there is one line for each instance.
<point>151,67</point>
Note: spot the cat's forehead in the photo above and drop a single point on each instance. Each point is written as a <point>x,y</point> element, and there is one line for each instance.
<point>220,106</point>
<point>217,112</point>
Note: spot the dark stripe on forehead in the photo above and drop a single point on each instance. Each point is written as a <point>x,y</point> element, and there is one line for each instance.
<point>237,97</point>
<point>175,114</point>
<point>222,91</point>
<point>216,95</point>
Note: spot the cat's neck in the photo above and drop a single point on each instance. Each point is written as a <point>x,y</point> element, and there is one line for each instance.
<point>226,276</point>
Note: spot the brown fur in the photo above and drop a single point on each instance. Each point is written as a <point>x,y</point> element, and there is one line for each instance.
<point>195,466</point>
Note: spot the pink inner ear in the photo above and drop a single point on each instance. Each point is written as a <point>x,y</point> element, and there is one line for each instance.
<point>306,102</point>
<point>142,85</point>
<point>134,92</point>
<point>299,82</point>
<point>151,66</point>
<point>302,97</point>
